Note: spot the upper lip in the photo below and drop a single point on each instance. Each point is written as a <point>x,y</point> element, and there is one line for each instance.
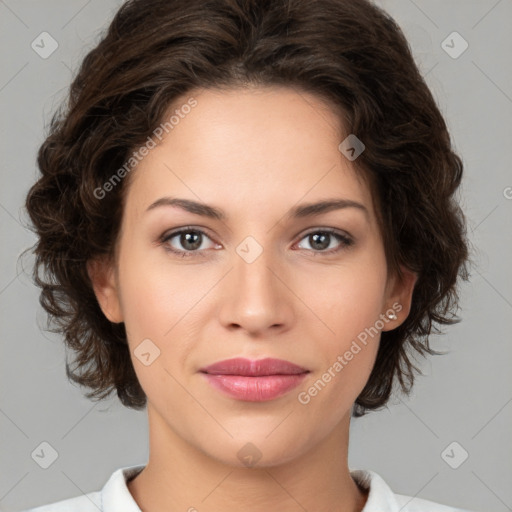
<point>253,368</point>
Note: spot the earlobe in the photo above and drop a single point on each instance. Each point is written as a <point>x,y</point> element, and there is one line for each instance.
<point>102,276</point>
<point>400,298</point>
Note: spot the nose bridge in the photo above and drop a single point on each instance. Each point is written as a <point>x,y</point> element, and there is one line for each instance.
<point>255,298</point>
<point>253,263</point>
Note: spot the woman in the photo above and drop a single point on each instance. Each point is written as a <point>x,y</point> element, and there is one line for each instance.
<point>247,223</point>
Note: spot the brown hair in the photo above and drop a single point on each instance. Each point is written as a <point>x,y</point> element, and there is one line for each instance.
<point>350,53</point>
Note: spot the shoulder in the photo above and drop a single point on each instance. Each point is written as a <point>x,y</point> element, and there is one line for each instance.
<point>412,504</point>
<point>382,499</point>
<point>113,497</point>
<point>86,503</point>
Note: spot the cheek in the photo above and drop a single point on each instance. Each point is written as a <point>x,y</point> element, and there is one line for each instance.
<point>346,354</point>
<point>347,302</point>
<point>163,303</point>
<point>154,293</point>
<point>346,298</point>
<point>156,313</point>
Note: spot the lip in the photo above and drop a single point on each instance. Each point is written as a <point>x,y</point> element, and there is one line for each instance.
<point>254,381</point>
<point>254,368</point>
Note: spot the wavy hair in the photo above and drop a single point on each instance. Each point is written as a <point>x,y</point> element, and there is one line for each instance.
<point>350,53</point>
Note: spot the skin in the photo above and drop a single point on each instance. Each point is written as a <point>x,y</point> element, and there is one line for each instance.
<point>255,153</point>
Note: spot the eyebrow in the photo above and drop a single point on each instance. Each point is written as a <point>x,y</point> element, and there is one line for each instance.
<point>301,211</point>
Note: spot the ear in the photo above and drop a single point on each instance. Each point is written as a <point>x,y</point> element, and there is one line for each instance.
<point>103,279</point>
<point>399,297</point>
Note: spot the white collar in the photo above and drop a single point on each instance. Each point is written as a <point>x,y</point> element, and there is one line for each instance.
<point>116,497</point>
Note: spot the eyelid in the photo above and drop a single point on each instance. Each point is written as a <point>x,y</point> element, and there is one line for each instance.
<point>334,231</point>
<point>346,240</point>
<point>168,235</point>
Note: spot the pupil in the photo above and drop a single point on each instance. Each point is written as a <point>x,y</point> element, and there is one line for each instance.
<point>323,244</point>
<point>186,238</point>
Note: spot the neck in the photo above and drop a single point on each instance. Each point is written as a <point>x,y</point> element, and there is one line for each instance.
<point>179,476</point>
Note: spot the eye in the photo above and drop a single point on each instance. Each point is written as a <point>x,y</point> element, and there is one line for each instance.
<point>321,239</point>
<point>190,239</point>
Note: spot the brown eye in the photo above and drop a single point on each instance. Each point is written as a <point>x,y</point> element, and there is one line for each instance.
<point>188,240</point>
<point>321,239</point>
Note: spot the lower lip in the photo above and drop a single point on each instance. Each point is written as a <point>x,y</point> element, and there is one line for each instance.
<point>255,389</point>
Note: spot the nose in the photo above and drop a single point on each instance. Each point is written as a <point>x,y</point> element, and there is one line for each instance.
<point>257,295</point>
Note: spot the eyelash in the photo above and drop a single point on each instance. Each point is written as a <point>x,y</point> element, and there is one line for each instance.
<point>344,239</point>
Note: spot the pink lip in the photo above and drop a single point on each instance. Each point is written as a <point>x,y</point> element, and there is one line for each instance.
<point>254,381</point>
<point>254,368</point>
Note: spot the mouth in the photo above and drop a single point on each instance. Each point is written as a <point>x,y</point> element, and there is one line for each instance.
<point>254,381</point>
<point>254,368</point>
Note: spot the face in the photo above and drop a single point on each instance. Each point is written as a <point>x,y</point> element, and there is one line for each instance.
<point>259,282</point>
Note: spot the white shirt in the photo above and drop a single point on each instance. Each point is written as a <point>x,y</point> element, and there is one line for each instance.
<point>115,496</point>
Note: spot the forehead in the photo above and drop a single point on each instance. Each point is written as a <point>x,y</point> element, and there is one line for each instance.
<point>243,148</point>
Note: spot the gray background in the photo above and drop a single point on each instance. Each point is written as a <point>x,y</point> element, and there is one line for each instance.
<point>465,396</point>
